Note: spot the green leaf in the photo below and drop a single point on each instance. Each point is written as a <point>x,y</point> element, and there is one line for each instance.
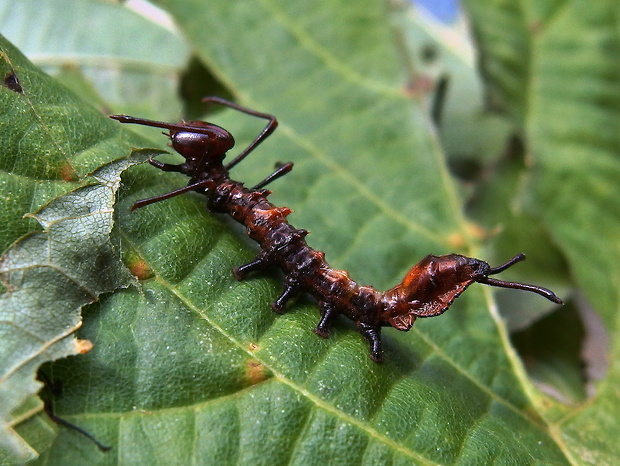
<point>59,153</point>
<point>194,366</point>
<point>553,67</point>
<point>130,61</point>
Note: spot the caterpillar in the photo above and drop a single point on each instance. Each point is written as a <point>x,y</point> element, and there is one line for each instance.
<point>427,290</point>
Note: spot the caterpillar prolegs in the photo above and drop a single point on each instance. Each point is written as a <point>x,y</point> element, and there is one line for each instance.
<point>427,290</point>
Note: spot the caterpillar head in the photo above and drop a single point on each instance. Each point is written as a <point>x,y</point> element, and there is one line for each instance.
<point>431,286</point>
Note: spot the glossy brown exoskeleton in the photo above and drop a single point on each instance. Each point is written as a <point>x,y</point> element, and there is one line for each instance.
<point>427,290</point>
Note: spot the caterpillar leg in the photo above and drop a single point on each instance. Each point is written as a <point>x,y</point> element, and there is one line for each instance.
<point>372,334</point>
<point>271,126</point>
<point>281,170</point>
<point>291,288</point>
<point>328,313</point>
<point>260,262</point>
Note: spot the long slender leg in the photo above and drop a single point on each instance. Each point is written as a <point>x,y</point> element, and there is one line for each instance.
<point>328,313</point>
<point>167,167</point>
<point>212,130</point>
<point>372,335</point>
<point>163,197</point>
<point>281,170</point>
<point>271,126</point>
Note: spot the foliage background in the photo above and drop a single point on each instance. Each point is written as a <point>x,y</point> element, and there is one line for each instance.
<point>189,365</point>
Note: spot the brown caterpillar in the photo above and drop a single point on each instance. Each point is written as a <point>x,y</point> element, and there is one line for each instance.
<point>427,290</point>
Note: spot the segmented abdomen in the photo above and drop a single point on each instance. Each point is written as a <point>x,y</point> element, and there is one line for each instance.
<point>284,245</point>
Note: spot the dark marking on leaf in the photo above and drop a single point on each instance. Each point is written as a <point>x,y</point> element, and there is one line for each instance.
<point>52,389</point>
<point>11,81</point>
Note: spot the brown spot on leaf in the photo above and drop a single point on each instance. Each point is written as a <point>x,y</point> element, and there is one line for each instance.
<point>83,346</point>
<point>139,268</point>
<point>255,371</point>
<point>68,173</point>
